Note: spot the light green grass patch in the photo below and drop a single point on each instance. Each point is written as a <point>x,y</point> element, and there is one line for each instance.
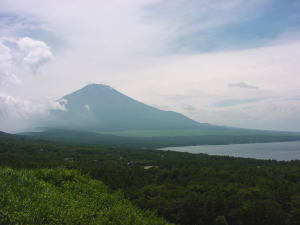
<point>190,132</point>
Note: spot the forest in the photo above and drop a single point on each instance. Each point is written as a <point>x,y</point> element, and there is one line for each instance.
<point>182,188</point>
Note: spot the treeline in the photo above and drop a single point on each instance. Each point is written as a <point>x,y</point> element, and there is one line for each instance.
<point>183,188</point>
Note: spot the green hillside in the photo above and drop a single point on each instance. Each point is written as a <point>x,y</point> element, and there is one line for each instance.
<point>60,196</point>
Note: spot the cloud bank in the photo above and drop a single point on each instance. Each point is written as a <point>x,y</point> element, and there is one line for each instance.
<point>18,114</point>
<point>19,59</point>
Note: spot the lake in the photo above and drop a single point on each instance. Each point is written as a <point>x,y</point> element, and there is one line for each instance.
<point>277,150</point>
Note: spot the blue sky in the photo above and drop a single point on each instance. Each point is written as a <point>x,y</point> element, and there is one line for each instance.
<point>254,25</point>
<point>234,62</point>
<point>232,102</point>
<point>271,21</point>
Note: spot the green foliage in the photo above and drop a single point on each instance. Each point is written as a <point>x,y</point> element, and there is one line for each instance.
<point>183,188</point>
<point>295,209</point>
<point>221,220</point>
<point>60,196</point>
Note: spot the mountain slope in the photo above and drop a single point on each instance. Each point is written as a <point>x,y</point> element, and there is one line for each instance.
<point>98,107</point>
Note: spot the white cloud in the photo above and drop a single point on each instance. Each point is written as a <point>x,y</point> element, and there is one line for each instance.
<point>17,113</point>
<point>5,53</point>
<point>6,66</point>
<point>11,106</point>
<point>276,114</point>
<point>21,58</point>
<point>35,52</point>
<point>21,108</point>
<point>55,105</point>
<point>87,108</point>
<point>202,80</point>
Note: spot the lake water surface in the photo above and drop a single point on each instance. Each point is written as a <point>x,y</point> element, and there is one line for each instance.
<point>276,150</point>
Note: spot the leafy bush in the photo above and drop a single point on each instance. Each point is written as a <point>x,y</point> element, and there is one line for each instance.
<point>61,196</point>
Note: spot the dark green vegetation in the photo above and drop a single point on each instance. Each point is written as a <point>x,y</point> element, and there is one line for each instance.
<point>60,196</point>
<point>183,188</point>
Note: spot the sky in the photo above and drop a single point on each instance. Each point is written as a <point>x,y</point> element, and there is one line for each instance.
<point>225,62</point>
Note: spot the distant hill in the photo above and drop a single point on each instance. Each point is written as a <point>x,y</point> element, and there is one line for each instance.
<point>3,134</point>
<point>108,140</point>
<point>98,107</point>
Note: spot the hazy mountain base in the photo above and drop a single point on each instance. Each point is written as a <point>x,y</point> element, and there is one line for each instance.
<point>213,130</point>
<point>184,188</point>
<point>155,141</point>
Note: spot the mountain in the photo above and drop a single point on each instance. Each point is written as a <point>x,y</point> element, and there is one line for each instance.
<point>98,107</point>
<point>100,115</point>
